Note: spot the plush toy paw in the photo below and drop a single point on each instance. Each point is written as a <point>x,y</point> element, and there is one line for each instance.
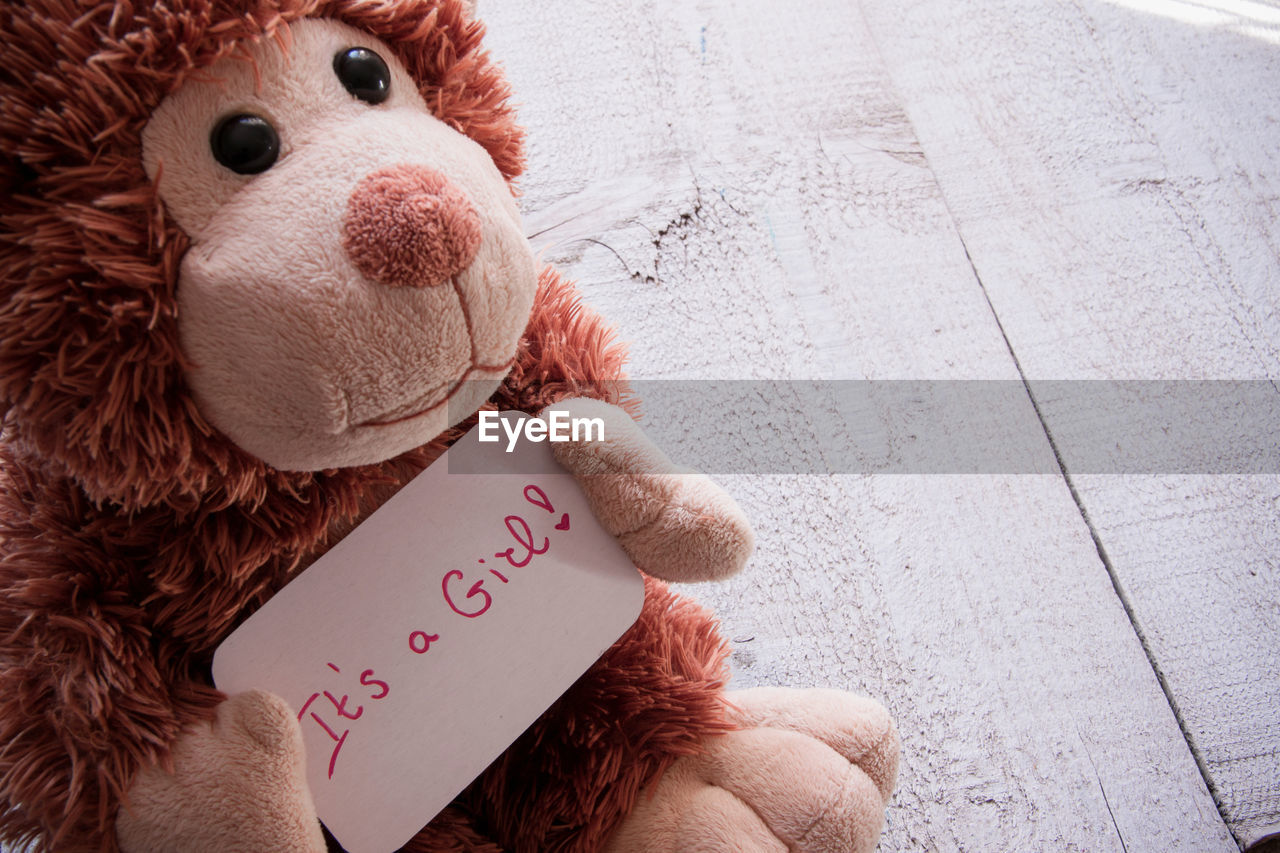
<point>810,771</point>
<point>673,523</point>
<point>238,784</point>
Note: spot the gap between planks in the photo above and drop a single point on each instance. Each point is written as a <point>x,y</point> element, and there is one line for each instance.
<point>1107,563</point>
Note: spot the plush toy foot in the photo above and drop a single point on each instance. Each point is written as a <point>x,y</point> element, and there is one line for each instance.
<point>810,771</point>
<point>236,785</point>
<point>674,524</point>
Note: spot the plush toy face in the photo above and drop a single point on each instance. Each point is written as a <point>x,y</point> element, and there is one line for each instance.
<point>357,268</point>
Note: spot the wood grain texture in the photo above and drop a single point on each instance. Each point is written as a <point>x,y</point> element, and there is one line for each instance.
<point>741,190</point>
<point>1112,171</point>
<point>758,191</point>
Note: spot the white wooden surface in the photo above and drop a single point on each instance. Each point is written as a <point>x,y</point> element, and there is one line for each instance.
<point>958,190</point>
<point>865,191</point>
<point>1112,168</point>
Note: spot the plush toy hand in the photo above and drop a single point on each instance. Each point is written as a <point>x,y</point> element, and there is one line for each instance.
<point>237,785</point>
<point>674,524</point>
<point>809,771</point>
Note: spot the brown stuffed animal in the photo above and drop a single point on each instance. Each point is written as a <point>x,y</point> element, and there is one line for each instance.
<point>252,256</point>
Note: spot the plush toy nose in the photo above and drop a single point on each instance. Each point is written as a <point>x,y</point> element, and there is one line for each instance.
<point>408,225</point>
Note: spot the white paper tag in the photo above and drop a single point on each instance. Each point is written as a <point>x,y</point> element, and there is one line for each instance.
<point>422,645</point>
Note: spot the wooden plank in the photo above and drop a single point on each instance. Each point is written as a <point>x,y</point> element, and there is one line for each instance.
<point>740,189</point>
<point>743,192</point>
<point>1112,168</point>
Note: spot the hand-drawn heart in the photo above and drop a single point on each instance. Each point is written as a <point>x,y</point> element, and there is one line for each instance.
<point>564,522</point>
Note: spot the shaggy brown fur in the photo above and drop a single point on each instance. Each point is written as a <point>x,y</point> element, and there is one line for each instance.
<point>90,369</point>
<point>133,537</point>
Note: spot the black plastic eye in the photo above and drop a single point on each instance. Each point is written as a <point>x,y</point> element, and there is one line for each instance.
<point>245,144</point>
<point>364,74</point>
